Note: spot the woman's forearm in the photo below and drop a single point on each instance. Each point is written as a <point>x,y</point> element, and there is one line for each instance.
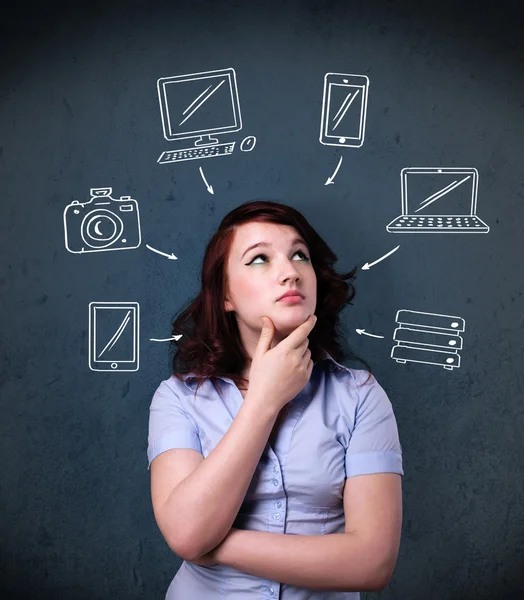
<point>337,561</point>
<point>201,510</point>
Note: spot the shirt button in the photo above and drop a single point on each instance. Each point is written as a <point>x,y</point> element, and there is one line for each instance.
<point>275,469</point>
<point>277,516</point>
<point>275,482</point>
<point>279,504</point>
<point>271,591</point>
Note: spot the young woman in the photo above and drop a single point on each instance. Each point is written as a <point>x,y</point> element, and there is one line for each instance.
<point>275,470</point>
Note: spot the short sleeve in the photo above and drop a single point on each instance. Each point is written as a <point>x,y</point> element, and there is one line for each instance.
<point>169,424</point>
<point>374,446</point>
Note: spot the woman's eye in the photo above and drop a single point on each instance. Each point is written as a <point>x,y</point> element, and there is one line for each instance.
<point>306,258</point>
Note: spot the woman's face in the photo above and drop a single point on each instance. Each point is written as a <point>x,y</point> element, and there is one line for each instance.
<point>257,277</point>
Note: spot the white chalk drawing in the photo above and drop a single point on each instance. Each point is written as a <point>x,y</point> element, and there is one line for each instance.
<point>428,338</point>
<point>438,200</point>
<point>364,332</point>
<point>170,256</point>
<point>209,187</point>
<point>368,266</point>
<point>114,339</point>
<point>174,338</point>
<point>200,106</point>
<point>102,224</point>
<point>330,180</point>
<point>344,108</point>
<point>248,143</point>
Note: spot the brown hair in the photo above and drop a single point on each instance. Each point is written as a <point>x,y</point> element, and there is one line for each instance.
<point>210,345</point>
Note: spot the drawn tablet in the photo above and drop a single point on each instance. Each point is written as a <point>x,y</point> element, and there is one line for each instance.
<point>344,106</point>
<point>113,336</point>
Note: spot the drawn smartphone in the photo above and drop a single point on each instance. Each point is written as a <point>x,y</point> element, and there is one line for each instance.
<point>114,336</point>
<point>344,107</point>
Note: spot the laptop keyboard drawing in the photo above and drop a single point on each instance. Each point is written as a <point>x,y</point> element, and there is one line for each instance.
<point>438,200</point>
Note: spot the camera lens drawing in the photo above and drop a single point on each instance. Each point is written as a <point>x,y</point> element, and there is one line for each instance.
<point>102,224</point>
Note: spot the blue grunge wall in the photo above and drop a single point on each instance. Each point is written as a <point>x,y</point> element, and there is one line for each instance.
<point>396,129</point>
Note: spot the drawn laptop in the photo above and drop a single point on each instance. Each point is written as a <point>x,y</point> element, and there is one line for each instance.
<point>438,200</point>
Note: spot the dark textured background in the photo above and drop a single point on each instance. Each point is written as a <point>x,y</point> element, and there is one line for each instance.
<point>79,109</point>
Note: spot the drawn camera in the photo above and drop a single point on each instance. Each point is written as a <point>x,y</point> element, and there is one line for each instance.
<point>103,223</point>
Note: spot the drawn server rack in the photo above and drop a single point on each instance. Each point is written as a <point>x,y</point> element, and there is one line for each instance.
<point>428,338</point>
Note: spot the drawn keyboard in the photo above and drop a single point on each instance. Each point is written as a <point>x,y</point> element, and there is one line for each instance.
<point>170,156</point>
<point>435,222</point>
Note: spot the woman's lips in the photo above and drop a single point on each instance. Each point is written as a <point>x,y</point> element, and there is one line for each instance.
<point>292,299</point>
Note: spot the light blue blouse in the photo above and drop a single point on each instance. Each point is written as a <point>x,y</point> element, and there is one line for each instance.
<point>338,426</point>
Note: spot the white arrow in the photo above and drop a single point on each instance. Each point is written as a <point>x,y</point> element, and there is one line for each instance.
<point>175,337</point>
<point>170,256</point>
<point>329,180</point>
<point>209,187</point>
<point>363,331</point>
<point>368,265</point>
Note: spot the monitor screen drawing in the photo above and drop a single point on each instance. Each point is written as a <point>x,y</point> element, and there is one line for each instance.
<point>439,191</point>
<point>199,105</point>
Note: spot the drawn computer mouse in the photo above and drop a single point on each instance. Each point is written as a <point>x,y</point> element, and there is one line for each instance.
<point>248,143</point>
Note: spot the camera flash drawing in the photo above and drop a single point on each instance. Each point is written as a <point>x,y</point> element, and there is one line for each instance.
<point>428,338</point>
<point>344,108</point>
<point>102,224</point>
<point>449,192</point>
<point>113,336</point>
<point>200,106</point>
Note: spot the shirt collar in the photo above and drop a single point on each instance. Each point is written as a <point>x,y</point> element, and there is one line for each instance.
<point>325,356</point>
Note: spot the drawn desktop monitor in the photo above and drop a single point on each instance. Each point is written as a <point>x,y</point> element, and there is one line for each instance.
<point>199,105</point>
<point>113,336</point>
<point>438,200</point>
